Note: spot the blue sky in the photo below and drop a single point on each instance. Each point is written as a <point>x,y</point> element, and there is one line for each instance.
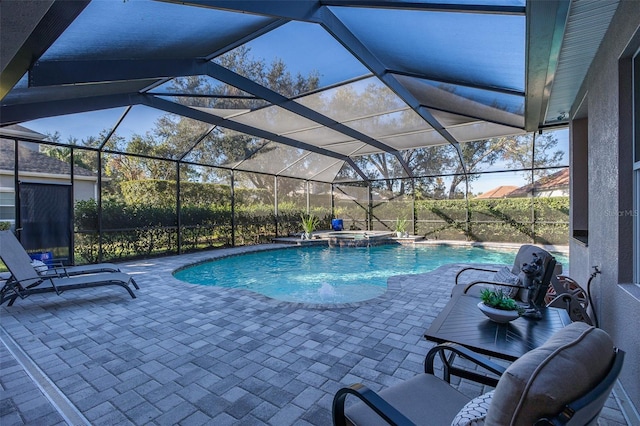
<point>297,44</point>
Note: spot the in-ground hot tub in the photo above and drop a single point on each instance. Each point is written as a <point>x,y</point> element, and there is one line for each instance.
<point>357,238</point>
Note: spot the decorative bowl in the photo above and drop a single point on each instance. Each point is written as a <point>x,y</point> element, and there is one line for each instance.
<point>498,315</point>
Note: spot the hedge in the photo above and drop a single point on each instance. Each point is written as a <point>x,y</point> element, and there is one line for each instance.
<point>145,222</point>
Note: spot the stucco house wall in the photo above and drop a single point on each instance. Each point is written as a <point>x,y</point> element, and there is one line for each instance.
<point>603,111</point>
<point>84,188</point>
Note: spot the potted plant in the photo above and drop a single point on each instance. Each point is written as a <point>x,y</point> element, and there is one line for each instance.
<point>309,224</point>
<point>498,306</point>
<point>400,227</point>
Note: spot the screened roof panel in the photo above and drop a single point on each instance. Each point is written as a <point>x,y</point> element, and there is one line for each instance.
<point>354,100</point>
<point>296,44</point>
<point>474,48</point>
<point>223,113</point>
<point>175,136</point>
<point>82,129</point>
<point>481,130</point>
<point>198,85</point>
<point>276,120</point>
<point>366,149</point>
<point>204,91</point>
<point>150,132</point>
<point>320,136</point>
<point>273,158</point>
<point>415,140</point>
<point>149,29</point>
<point>314,165</point>
<point>346,148</point>
<point>329,174</point>
<point>506,108</point>
<point>448,119</point>
<point>347,174</point>
<point>138,121</point>
<point>380,166</point>
<point>390,124</point>
<point>225,148</point>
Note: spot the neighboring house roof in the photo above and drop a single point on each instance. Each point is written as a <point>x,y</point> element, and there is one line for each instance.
<point>499,192</point>
<point>16,130</point>
<point>35,162</point>
<point>558,180</point>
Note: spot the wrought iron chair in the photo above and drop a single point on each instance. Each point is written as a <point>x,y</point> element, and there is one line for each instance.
<point>565,381</point>
<point>526,281</point>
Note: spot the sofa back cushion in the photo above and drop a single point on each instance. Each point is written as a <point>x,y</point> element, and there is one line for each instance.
<point>526,255</point>
<point>541,382</point>
<point>504,275</point>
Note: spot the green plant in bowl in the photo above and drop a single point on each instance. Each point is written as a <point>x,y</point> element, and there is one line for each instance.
<point>400,226</point>
<point>309,224</point>
<point>498,306</point>
<point>498,299</point>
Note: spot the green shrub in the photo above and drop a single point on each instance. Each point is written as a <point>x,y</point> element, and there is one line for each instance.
<point>144,222</point>
<point>162,193</point>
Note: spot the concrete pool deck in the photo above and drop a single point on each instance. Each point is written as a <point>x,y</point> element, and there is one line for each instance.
<point>193,355</point>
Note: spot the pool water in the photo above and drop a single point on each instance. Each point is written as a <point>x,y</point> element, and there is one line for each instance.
<point>325,275</point>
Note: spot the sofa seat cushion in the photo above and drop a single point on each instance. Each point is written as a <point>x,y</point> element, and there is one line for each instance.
<point>425,399</point>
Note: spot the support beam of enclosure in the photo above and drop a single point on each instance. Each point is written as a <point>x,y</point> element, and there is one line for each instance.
<point>249,86</point>
<point>304,10</point>
<point>299,10</point>
<point>64,72</point>
<point>195,114</point>
<point>342,34</point>
<point>545,32</point>
<point>25,39</point>
<point>32,111</point>
<point>56,73</point>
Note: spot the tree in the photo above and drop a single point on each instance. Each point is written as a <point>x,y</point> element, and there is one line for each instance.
<point>475,155</point>
<point>223,147</point>
<point>81,157</point>
<point>181,138</point>
<point>508,151</point>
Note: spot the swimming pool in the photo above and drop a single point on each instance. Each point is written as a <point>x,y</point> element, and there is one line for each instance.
<point>323,275</point>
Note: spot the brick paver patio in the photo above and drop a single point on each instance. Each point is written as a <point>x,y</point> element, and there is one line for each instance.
<point>193,355</point>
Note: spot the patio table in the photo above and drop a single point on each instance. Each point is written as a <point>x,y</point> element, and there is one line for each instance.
<point>462,322</point>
